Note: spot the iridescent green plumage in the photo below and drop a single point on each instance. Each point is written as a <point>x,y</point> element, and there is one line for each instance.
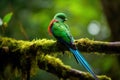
<point>61,32</point>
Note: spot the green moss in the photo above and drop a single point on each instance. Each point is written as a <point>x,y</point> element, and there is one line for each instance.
<point>54,65</point>
<point>20,54</point>
<point>104,77</point>
<point>88,41</point>
<point>44,45</point>
<point>87,45</point>
<point>16,54</point>
<point>55,61</point>
<point>43,42</point>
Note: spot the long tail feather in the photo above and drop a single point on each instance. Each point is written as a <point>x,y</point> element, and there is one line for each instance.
<point>81,60</point>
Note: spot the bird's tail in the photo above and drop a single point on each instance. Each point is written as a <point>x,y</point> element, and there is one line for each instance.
<point>81,60</point>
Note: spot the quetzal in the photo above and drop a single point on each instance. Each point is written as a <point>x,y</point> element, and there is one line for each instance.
<point>61,32</point>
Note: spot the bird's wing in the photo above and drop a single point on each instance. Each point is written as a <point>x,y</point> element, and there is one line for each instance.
<point>61,32</point>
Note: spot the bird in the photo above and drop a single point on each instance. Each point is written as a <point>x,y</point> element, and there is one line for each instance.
<point>60,30</point>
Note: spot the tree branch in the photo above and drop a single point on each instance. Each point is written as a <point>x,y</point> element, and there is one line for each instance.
<point>87,45</point>
<point>18,53</point>
<point>56,67</point>
<point>50,46</point>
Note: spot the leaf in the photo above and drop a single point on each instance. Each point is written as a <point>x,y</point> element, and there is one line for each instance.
<point>7,18</point>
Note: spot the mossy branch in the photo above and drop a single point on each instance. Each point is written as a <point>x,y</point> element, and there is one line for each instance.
<point>87,45</point>
<point>21,55</point>
<point>51,46</point>
<point>55,66</point>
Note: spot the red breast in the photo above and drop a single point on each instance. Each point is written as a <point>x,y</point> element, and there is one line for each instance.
<point>50,26</point>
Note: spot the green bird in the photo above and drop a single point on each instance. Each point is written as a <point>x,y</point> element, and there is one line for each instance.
<point>61,32</point>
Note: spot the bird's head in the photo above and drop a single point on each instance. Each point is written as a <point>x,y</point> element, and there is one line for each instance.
<point>60,17</point>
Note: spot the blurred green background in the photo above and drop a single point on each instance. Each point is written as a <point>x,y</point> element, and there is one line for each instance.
<point>86,20</point>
